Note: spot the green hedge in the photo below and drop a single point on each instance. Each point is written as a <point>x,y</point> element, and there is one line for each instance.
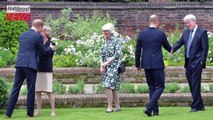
<point>3,93</point>
<point>10,31</point>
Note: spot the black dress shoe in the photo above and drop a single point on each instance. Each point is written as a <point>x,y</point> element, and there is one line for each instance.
<point>149,114</point>
<point>155,114</point>
<point>193,110</point>
<point>201,109</point>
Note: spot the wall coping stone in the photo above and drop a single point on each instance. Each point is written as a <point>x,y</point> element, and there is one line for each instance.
<point>136,100</point>
<point>112,5</point>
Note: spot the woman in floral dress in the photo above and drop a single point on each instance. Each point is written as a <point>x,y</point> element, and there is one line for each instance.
<point>110,61</point>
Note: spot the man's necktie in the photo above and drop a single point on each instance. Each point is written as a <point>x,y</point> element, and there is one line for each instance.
<point>189,43</point>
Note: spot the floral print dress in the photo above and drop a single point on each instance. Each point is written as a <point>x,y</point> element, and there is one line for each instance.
<point>111,48</point>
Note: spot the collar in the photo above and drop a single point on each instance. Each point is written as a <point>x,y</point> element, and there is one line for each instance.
<point>194,30</point>
<point>33,28</point>
<point>152,26</point>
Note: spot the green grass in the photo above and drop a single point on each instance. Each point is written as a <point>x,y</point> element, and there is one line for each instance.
<point>166,113</point>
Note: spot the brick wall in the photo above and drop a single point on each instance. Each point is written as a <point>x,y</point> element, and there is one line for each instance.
<point>130,16</point>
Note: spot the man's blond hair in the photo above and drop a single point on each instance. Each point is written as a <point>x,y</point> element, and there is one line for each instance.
<point>38,23</point>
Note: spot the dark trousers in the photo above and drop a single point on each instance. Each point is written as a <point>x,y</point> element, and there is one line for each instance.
<point>156,82</point>
<point>194,79</point>
<point>20,75</point>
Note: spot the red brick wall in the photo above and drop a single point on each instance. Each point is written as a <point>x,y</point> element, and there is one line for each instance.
<point>131,17</point>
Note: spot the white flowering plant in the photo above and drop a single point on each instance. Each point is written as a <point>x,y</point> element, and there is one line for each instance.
<point>85,52</point>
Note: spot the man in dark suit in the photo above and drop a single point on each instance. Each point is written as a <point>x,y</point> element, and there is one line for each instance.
<point>195,41</point>
<point>150,42</point>
<point>30,44</point>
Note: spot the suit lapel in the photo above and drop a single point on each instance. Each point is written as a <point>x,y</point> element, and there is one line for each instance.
<point>195,36</point>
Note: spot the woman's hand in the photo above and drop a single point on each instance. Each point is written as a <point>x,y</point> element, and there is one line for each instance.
<point>102,70</point>
<point>104,65</point>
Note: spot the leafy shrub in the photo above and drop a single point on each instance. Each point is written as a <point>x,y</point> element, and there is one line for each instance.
<point>185,89</point>
<point>9,86</point>
<point>127,88</point>
<point>98,89</point>
<point>211,87</point>
<point>61,45</point>
<point>24,90</point>
<point>171,88</point>
<point>64,61</point>
<point>209,60</point>
<point>3,93</point>
<point>204,89</point>
<point>85,51</point>
<point>6,57</point>
<point>64,29</point>
<point>10,31</point>
<point>59,88</point>
<point>78,88</point>
<point>143,88</point>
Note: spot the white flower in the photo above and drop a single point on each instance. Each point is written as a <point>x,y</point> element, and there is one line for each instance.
<point>209,34</point>
<point>55,39</point>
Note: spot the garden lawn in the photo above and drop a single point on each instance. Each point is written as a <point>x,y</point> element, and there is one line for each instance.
<point>166,113</point>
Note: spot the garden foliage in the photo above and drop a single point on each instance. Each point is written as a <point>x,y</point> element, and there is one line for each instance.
<point>10,31</point>
<point>3,93</point>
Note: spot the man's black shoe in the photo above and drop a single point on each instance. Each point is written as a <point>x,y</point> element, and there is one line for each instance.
<point>155,114</point>
<point>193,110</point>
<point>149,114</point>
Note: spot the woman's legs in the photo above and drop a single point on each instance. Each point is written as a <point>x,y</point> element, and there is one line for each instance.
<point>109,95</point>
<point>52,103</point>
<point>116,99</point>
<point>39,102</point>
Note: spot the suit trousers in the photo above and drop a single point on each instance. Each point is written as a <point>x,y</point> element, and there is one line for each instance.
<point>21,74</point>
<point>156,82</point>
<point>194,80</point>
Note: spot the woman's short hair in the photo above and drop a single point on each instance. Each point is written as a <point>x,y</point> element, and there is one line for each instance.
<point>45,27</point>
<point>189,17</point>
<point>109,26</point>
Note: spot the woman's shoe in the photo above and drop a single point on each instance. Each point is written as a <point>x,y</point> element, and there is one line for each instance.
<point>7,117</point>
<point>37,114</point>
<point>109,111</point>
<point>117,110</point>
<point>53,114</point>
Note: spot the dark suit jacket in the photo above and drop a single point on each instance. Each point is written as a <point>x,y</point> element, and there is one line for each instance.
<point>30,44</point>
<point>45,63</point>
<point>150,42</point>
<point>198,49</point>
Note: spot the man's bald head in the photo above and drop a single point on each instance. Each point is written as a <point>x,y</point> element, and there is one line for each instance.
<point>154,20</point>
<point>38,24</point>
